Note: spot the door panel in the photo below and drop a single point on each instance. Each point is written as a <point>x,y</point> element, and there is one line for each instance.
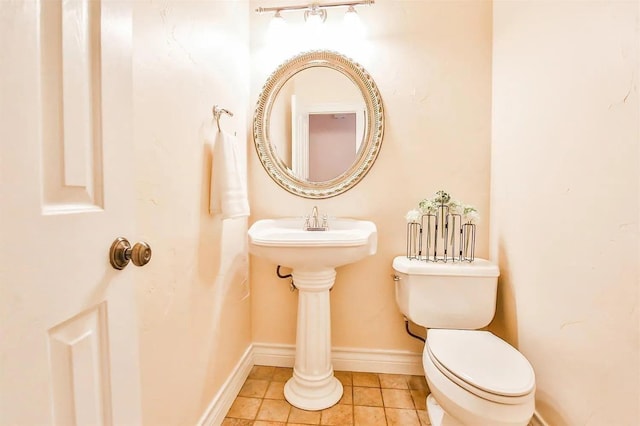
<point>71,92</point>
<point>68,330</point>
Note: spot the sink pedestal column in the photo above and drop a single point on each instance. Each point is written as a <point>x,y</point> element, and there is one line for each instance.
<point>313,385</point>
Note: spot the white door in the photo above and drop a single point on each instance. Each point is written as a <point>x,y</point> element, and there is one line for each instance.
<point>68,332</point>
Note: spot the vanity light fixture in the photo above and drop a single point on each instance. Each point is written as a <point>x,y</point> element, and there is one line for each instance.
<point>315,11</point>
<point>351,13</point>
<point>276,32</point>
<point>278,19</point>
<point>353,25</point>
<point>314,15</point>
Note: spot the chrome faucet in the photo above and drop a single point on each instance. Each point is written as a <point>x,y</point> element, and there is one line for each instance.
<point>314,217</point>
<point>312,223</point>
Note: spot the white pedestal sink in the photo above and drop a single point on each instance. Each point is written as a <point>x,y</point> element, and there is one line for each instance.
<point>313,256</point>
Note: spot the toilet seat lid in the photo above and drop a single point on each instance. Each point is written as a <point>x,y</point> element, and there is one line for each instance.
<point>483,361</point>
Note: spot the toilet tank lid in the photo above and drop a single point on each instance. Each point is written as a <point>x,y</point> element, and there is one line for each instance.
<point>477,268</point>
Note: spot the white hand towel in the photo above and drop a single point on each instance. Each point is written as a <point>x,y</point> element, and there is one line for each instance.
<point>228,184</point>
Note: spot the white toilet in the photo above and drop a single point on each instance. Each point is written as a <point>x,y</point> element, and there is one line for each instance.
<point>475,377</point>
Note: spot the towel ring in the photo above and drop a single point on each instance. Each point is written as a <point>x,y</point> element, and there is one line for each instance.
<point>217,113</point>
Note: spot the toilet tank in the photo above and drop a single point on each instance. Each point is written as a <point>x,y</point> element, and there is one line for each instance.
<point>458,295</point>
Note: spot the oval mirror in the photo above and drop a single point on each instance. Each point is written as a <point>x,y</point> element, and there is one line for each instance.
<point>318,124</point>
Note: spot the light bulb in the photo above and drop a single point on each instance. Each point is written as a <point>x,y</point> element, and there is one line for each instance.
<point>352,23</point>
<point>314,19</point>
<point>276,32</point>
<point>315,31</point>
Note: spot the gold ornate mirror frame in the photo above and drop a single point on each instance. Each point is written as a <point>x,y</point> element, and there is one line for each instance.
<point>373,132</point>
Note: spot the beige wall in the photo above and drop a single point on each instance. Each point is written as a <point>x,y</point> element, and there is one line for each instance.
<point>565,202</point>
<point>432,64</point>
<point>194,314</point>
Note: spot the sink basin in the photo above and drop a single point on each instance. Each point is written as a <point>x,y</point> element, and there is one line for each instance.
<point>285,242</point>
<point>313,257</point>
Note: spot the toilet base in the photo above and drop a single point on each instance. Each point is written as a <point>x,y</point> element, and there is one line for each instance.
<point>437,415</point>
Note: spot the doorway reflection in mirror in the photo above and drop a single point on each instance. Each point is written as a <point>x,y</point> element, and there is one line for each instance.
<point>332,145</point>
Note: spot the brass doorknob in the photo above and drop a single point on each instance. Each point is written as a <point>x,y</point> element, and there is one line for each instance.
<point>121,253</point>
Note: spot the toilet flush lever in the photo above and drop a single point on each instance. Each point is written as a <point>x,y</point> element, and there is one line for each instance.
<point>395,277</point>
<point>121,253</point>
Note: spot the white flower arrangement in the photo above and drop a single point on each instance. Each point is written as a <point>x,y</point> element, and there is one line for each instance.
<point>413,216</point>
<point>470,214</point>
<point>442,199</point>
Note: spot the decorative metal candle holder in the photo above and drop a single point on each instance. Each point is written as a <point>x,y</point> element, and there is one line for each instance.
<point>441,236</point>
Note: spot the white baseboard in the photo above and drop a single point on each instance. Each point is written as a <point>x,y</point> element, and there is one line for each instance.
<point>274,354</point>
<point>222,401</point>
<point>345,359</point>
<point>537,420</point>
<point>378,361</point>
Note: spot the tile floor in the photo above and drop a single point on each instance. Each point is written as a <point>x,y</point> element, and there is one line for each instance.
<point>369,399</point>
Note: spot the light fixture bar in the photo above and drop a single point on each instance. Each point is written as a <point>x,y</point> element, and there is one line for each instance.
<point>314,6</point>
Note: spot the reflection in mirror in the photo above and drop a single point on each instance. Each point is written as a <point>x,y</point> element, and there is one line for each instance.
<point>333,145</point>
<point>318,124</point>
